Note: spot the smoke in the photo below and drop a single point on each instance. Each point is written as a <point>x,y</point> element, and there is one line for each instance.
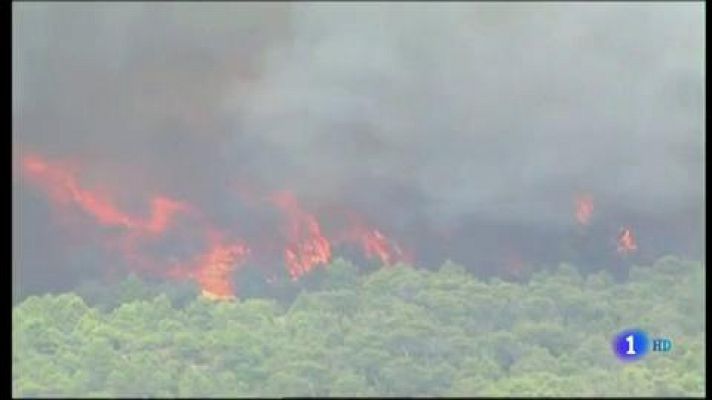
<point>489,110</point>
<point>467,131</point>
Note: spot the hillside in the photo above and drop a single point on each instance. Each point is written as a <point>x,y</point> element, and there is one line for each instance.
<point>394,332</point>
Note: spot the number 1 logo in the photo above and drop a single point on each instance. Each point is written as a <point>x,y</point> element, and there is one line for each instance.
<point>631,348</point>
<point>630,345</point>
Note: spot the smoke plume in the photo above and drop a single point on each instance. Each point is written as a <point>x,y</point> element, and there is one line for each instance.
<point>469,132</point>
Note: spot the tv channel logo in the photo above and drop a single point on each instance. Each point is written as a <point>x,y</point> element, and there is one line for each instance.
<point>634,344</point>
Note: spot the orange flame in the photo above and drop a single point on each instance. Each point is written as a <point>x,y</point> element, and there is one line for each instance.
<point>213,269</point>
<point>373,242</point>
<point>306,246</point>
<point>64,188</point>
<point>626,242</point>
<point>584,209</point>
<point>162,211</point>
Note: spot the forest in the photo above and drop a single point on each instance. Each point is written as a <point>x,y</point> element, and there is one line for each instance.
<point>395,331</point>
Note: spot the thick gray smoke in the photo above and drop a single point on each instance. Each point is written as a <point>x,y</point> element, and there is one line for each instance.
<point>465,130</point>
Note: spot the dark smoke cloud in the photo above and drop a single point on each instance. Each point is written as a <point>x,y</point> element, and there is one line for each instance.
<point>464,129</point>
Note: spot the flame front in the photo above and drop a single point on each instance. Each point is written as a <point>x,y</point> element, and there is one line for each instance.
<point>63,187</point>
<point>162,211</point>
<point>626,242</point>
<point>215,269</point>
<point>306,246</point>
<point>212,270</point>
<point>372,241</point>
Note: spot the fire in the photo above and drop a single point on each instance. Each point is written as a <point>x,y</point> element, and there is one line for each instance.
<point>63,187</point>
<point>162,211</point>
<point>372,241</point>
<point>139,240</point>
<point>375,244</point>
<point>212,270</point>
<point>306,246</point>
<point>584,209</point>
<point>626,242</point>
<point>215,269</point>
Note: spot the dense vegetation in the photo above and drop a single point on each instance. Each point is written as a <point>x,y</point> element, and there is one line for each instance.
<point>396,331</point>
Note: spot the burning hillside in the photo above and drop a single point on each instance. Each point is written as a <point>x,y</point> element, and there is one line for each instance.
<point>373,133</point>
<point>305,245</point>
